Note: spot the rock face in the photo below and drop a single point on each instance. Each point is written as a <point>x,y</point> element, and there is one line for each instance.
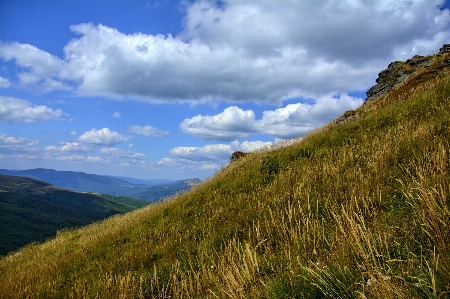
<point>398,71</point>
<point>444,49</point>
<point>395,74</point>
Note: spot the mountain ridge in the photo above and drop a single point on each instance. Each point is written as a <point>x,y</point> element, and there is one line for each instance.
<point>84,182</point>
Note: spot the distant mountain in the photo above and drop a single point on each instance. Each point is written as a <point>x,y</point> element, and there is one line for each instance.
<point>154,193</point>
<point>151,190</point>
<point>144,182</point>
<point>79,181</point>
<point>32,210</point>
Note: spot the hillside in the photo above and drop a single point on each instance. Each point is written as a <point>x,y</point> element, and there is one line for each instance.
<point>150,190</point>
<point>357,209</point>
<point>32,210</point>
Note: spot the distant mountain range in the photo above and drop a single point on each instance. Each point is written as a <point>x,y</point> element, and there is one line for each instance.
<point>144,182</point>
<point>150,190</point>
<point>32,210</point>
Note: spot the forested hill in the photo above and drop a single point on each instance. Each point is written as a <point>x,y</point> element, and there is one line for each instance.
<point>32,210</point>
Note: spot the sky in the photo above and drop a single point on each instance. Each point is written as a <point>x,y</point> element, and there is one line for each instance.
<point>168,89</point>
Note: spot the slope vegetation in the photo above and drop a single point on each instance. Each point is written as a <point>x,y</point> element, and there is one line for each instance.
<point>358,209</point>
<point>32,210</point>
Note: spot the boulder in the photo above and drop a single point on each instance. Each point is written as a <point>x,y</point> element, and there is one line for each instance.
<point>237,155</point>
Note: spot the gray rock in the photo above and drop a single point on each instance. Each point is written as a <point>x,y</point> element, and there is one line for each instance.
<point>444,49</point>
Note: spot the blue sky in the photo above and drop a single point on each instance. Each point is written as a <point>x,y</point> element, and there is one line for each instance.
<point>169,89</point>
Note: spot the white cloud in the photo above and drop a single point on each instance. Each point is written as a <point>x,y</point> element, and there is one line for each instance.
<point>71,158</point>
<point>233,123</point>
<point>208,152</point>
<point>203,160</point>
<point>4,82</point>
<point>291,121</point>
<point>95,159</point>
<point>241,51</point>
<point>44,71</point>
<point>106,156</point>
<point>69,147</point>
<point>18,110</point>
<point>117,153</point>
<point>250,146</point>
<point>9,140</point>
<point>18,147</point>
<point>116,115</point>
<point>352,31</point>
<point>219,153</point>
<point>147,131</point>
<point>295,120</point>
<point>102,137</point>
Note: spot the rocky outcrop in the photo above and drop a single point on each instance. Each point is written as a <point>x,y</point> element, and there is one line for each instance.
<point>444,49</point>
<point>398,71</point>
<point>419,69</point>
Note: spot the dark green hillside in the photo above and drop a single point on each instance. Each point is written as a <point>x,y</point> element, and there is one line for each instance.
<point>357,209</point>
<point>32,210</point>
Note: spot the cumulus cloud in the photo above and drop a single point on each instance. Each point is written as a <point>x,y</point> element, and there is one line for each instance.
<point>295,120</point>
<point>80,152</point>
<point>291,121</point>
<point>10,140</point>
<point>218,153</point>
<point>102,137</point>
<point>4,82</point>
<point>147,131</point>
<point>116,115</point>
<point>18,110</point>
<point>233,123</point>
<point>117,153</point>
<point>241,51</point>
<point>45,72</point>
<point>69,147</point>
<point>208,152</point>
<point>18,147</point>
<point>58,157</point>
<point>94,159</point>
<point>207,159</point>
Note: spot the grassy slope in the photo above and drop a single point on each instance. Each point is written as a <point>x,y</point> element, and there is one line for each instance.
<point>356,210</point>
<point>32,210</point>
